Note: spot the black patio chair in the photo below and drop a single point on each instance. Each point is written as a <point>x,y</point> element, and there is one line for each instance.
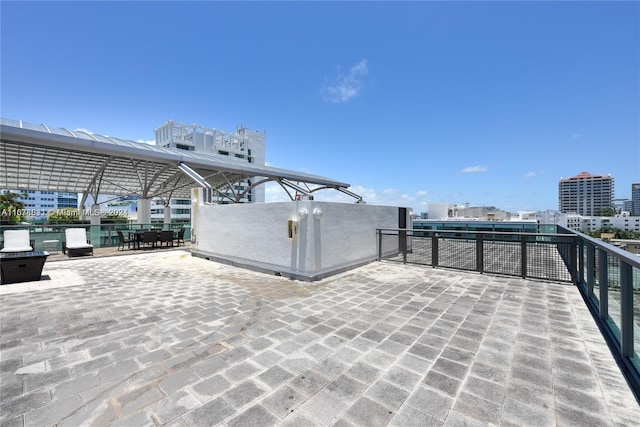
<point>149,238</point>
<point>166,236</point>
<point>179,237</point>
<point>124,240</point>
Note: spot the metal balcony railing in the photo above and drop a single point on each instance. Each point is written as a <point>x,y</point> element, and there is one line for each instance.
<point>607,277</point>
<point>528,255</point>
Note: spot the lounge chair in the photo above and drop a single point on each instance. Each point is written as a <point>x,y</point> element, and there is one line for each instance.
<point>17,241</point>
<point>77,243</point>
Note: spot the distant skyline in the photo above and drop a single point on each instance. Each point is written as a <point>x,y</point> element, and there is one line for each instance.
<point>486,103</point>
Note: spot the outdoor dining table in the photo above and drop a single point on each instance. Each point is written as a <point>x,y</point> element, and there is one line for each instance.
<point>136,237</point>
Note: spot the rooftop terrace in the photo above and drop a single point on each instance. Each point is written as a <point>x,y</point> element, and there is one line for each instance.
<point>164,338</point>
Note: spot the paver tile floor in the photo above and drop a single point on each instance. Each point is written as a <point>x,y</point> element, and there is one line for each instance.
<point>166,339</point>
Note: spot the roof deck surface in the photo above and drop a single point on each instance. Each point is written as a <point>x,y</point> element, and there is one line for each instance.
<point>164,338</point>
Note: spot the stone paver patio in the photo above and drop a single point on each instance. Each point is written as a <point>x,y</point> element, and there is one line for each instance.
<point>166,339</point>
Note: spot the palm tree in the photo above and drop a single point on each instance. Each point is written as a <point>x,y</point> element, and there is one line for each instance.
<point>11,209</point>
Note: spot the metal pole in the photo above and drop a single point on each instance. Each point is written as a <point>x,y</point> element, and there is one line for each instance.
<point>480,253</point>
<point>523,255</point>
<point>434,250</point>
<point>573,254</point>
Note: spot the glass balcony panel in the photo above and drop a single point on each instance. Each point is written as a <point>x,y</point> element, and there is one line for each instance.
<point>614,318</point>
<point>595,296</point>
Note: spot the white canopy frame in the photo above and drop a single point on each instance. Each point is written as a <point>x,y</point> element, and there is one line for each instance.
<point>39,157</point>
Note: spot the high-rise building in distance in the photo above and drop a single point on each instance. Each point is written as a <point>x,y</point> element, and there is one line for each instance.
<point>585,194</point>
<point>635,199</point>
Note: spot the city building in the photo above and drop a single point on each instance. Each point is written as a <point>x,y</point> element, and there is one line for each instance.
<point>245,144</point>
<point>585,194</point>
<point>444,211</point>
<point>628,206</point>
<point>38,204</point>
<point>622,205</point>
<point>635,199</point>
<point>593,223</point>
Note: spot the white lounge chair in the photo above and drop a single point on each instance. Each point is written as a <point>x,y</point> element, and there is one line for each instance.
<point>16,241</point>
<point>77,243</point>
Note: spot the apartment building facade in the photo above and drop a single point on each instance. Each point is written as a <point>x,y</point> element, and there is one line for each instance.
<point>585,194</point>
<point>593,223</point>
<point>38,204</point>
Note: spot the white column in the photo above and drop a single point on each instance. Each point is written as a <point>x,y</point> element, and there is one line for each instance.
<point>94,230</point>
<point>94,218</point>
<point>167,214</point>
<point>144,211</point>
<point>196,202</point>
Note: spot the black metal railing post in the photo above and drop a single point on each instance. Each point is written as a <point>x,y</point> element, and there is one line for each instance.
<point>626,309</point>
<point>480,253</point>
<point>573,259</point>
<point>403,244</point>
<point>523,255</point>
<point>434,250</point>
<point>379,235</point>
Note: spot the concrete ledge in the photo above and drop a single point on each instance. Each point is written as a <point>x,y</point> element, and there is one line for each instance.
<point>277,270</point>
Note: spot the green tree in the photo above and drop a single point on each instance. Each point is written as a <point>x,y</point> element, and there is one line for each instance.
<point>63,216</point>
<point>11,209</point>
<point>115,218</point>
<point>607,212</point>
<point>618,233</point>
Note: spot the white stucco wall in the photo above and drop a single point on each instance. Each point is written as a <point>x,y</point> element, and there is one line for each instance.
<point>331,237</point>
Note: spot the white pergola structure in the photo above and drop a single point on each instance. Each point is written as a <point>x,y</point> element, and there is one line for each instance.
<point>39,157</point>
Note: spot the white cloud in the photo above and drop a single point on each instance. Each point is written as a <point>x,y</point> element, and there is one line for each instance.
<point>532,174</point>
<point>576,136</point>
<point>148,141</point>
<point>343,87</point>
<point>273,192</point>
<point>386,197</point>
<point>473,169</point>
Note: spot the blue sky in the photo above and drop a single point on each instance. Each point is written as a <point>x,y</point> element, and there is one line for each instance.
<point>487,103</point>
